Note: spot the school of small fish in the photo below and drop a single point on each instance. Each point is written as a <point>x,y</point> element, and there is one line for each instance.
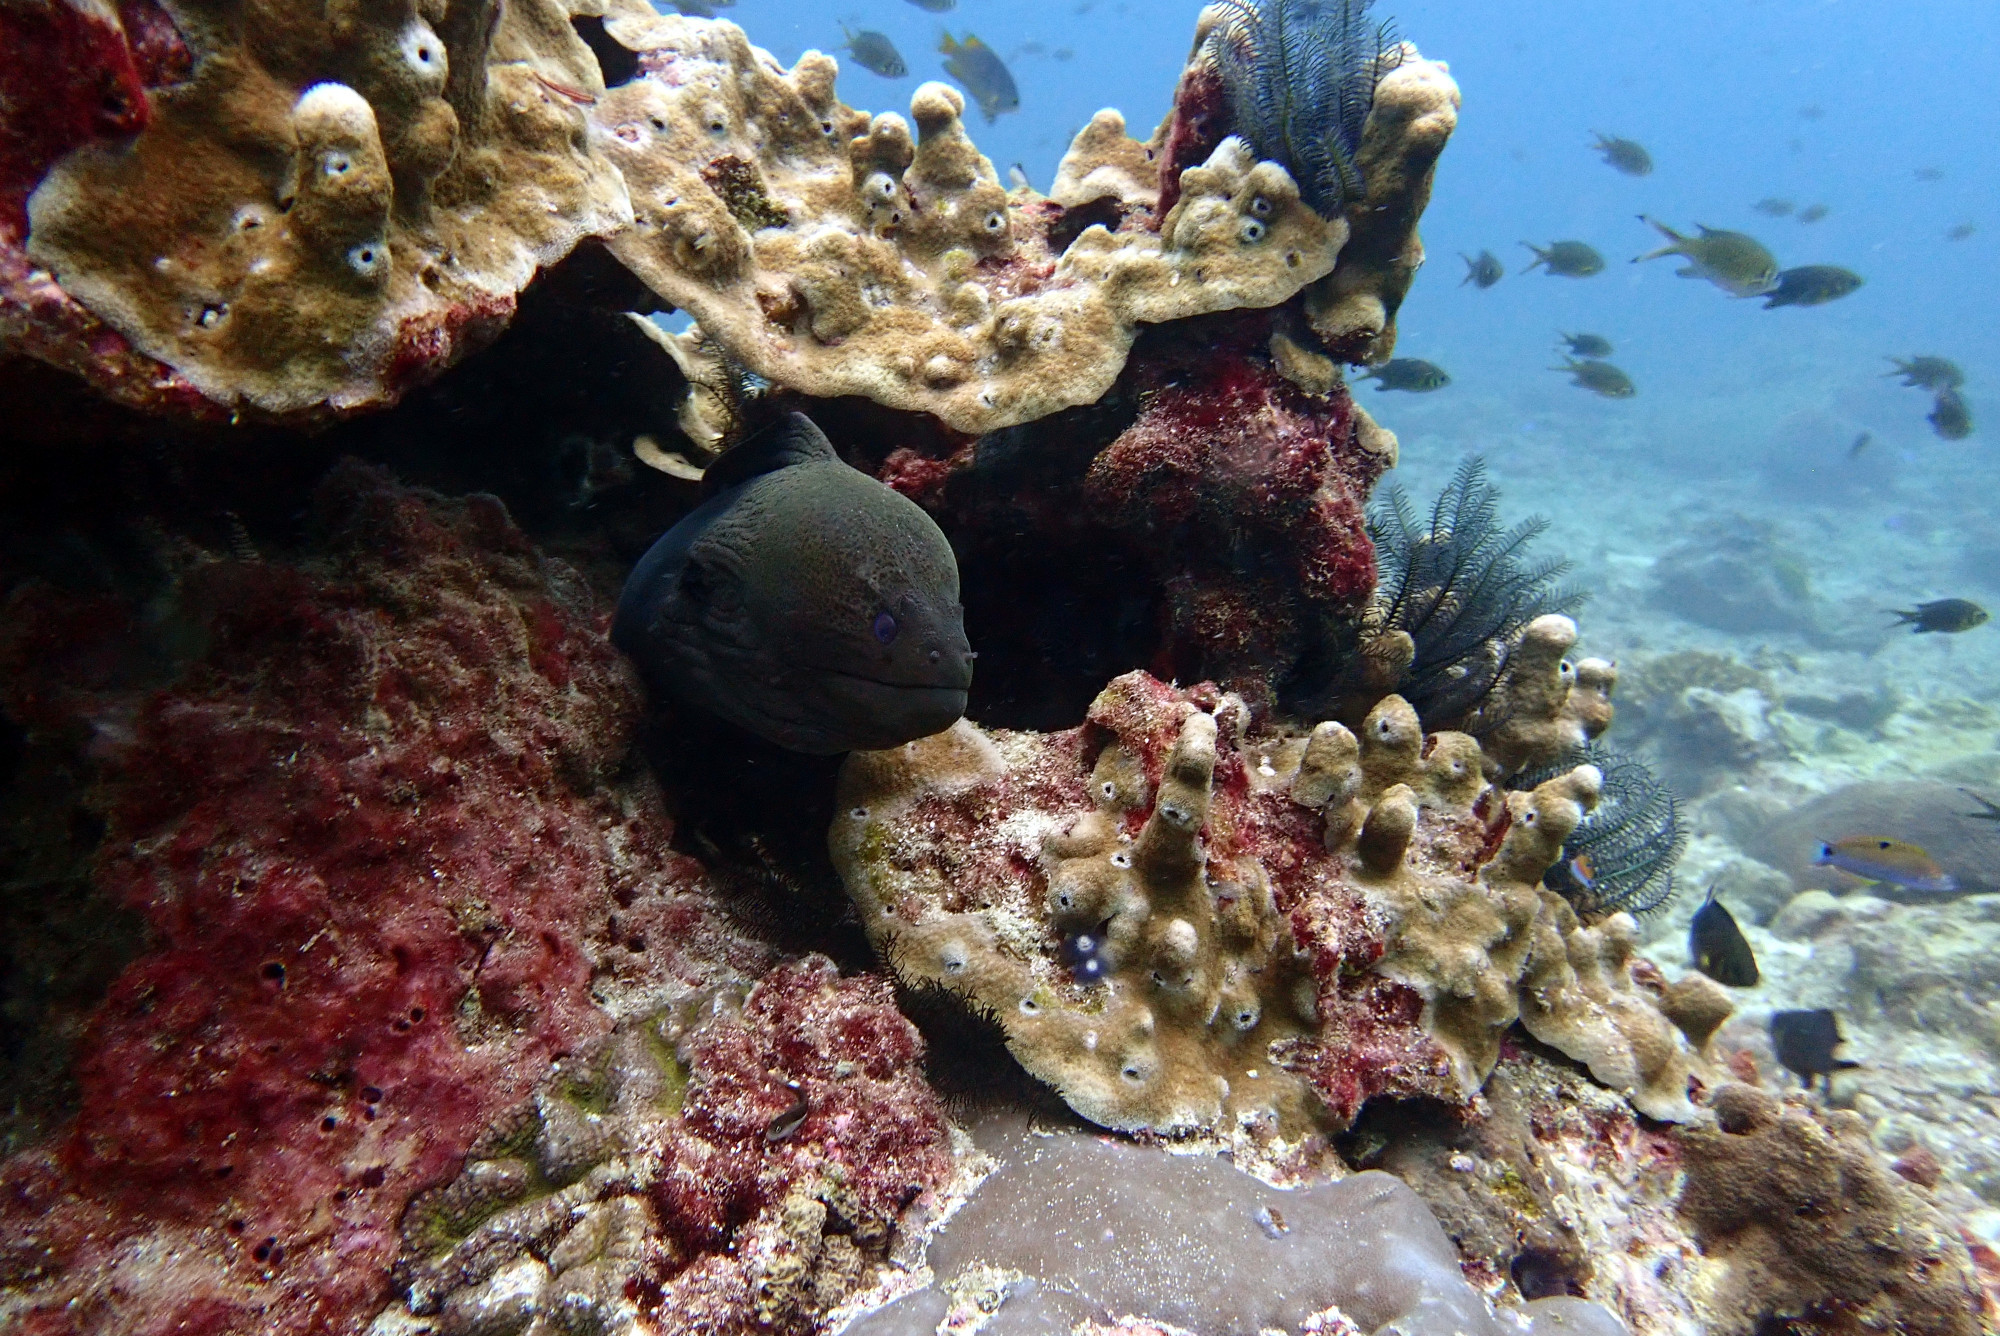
<point>1737,263</point>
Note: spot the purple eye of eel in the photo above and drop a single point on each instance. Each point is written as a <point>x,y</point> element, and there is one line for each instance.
<point>885,626</point>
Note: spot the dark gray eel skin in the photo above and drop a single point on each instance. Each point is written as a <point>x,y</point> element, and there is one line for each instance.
<point>803,601</point>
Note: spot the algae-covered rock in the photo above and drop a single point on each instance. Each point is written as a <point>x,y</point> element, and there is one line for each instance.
<point>1811,1219</point>
<point>1739,576</point>
<point>1071,1228</point>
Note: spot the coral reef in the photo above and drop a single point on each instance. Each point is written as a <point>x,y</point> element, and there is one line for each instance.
<point>1290,924</point>
<point>77,74</point>
<point>1204,520</point>
<point>1815,1227</point>
<point>730,1163</point>
<point>840,256</point>
<point>331,207</point>
<point>390,865</point>
<point>1198,1245</point>
<point>1260,485</point>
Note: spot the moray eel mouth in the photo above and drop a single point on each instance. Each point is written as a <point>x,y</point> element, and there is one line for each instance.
<point>890,684</point>
<point>881,714</point>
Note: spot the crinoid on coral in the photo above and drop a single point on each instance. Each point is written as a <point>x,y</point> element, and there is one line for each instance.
<point>1621,857</point>
<point>1285,925</point>
<point>1452,611</point>
<point>1300,77</point>
<point>1379,180</point>
<point>1461,588</point>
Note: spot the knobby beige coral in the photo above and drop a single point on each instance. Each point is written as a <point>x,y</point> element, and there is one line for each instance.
<point>840,255</point>
<point>1286,924</point>
<point>338,198</point>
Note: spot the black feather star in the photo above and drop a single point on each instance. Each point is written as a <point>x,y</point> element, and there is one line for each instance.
<point>1621,857</point>
<point>1462,588</point>
<point>1300,77</point>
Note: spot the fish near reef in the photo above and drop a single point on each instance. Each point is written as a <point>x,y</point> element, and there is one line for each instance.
<point>1773,208</point>
<point>875,53</point>
<point>1960,231</point>
<point>980,72</point>
<point>1928,373</point>
<point>1736,262</point>
<point>935,6</point>
<point>1482,270</point>
<point>803,601</point>
<point>1949,615</point>
<point>1891,862</point>
<point>1587,345</point>
<point>1804,1042</point>
<point>1718,947</point>
<point>1811,285</point>
<point>1950,416</point>
<point>1812,213</point>
<point>1407,373</point>
<point>1627,155</point>
<point>1600,378</point>
<point>1566,259</point>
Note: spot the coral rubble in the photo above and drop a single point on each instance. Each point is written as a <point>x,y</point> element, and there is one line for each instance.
<point>733,1163</point>
<point>333,206</point>
<point>1815,1226</point>
<point>1287,925</point>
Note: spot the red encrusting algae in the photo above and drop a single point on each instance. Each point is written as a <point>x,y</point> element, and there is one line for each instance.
<point>390,855</point>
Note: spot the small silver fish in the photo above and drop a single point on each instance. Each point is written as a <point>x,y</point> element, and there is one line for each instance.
<point>1627,155</point>
<point>976,68</point>
<point>1600,378</point>
<point>1736,262</point>
<point>1482,270</point>
<point>875,53</point>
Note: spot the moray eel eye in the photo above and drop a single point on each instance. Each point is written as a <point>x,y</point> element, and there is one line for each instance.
<point>885,626</point>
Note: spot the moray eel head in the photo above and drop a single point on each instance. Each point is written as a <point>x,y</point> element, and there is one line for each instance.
<point>804,601</point>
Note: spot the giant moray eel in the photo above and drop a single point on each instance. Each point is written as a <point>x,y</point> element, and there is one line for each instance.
<point>802,600</point>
